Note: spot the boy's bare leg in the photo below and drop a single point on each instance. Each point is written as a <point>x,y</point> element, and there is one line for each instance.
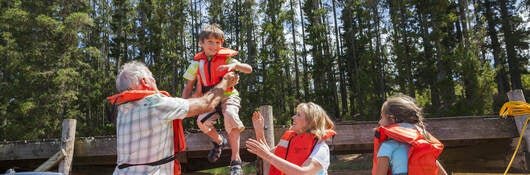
<point>234,139</point>
<point>208,128</point>
<point>215,136</point>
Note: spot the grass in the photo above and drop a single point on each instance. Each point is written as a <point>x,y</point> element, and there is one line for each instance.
<point>358,164</point>
<point>339,163</point>
<point>248,168</point>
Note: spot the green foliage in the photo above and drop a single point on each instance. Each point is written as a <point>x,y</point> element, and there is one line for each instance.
<point>59,59</point>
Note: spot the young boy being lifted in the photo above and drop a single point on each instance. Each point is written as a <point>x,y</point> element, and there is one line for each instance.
<point>208,67</point>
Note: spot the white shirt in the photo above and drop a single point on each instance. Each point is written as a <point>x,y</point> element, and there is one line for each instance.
<point>321,154</point>
<point>145,133</point>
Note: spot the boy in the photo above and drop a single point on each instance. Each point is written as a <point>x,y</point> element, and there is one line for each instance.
<point>208,67</point>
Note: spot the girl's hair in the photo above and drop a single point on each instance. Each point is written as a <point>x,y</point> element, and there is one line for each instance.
<point>317,119</point>
<point>404,110</point>
<point>130,75</point>
<point>212,31</point>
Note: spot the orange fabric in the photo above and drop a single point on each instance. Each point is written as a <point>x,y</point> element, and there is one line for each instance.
<point>211,75</point>
<point>177,169</point>
<point>178,130</point>
<point>133,95</point>
<point>298,149</point>
<point>179,143</point>
<point>422,154</point>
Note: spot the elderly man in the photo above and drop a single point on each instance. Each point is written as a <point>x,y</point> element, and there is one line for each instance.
<point>145,120</point>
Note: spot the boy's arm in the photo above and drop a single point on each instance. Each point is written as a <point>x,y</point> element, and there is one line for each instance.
<point>186,93</point>
<point>241,67</point>
<point>191,75</point>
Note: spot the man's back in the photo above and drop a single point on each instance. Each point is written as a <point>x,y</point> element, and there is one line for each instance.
<point>145,134</point>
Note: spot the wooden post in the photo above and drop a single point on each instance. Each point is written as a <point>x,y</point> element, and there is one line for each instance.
<point>268,118</point>
<point>67,143</point>
<point>517,95</point>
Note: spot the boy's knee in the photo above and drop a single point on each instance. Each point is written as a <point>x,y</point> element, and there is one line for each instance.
<point>208,124</point>
<point>231,112</point>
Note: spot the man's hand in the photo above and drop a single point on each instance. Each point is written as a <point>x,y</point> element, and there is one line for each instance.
<point>232,79</point>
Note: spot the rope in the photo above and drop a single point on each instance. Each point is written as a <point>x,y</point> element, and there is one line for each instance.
<point>515,108</point>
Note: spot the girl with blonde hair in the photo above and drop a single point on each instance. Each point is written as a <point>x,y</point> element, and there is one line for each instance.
<point>302,148</point>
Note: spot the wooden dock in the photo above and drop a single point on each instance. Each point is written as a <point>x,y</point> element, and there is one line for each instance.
<point>472,142</point>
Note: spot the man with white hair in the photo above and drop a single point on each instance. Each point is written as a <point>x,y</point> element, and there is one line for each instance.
<point>145,120</point>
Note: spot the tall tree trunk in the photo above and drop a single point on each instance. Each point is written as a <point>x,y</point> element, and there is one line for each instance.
<point>305,79</point>
<point>350,30</point>
<point>295,52</point>
<point>339,56</point>
<point>499,61</point>
<point>380,59</point>
<point>513,62</point>
<point>464,21</point>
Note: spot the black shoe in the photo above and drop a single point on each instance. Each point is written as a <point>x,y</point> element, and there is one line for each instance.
<point>215,152</point>
<point>235,167</point>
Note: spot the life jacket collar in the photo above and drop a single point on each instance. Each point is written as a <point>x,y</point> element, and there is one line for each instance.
<point>132,95</point>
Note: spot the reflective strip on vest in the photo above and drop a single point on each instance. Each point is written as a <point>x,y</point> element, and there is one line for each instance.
<point>203,73</point>
<point>283,143</point>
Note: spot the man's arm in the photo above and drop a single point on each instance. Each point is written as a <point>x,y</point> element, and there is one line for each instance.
<point>211,99</point>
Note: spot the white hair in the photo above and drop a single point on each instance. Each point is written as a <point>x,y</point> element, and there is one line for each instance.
<point>130,75</point>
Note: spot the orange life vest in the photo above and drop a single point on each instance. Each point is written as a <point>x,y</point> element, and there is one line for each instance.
<point>296,148</point>
<point>209,76</point>
<point>178,130</point>
<point>422,154</point>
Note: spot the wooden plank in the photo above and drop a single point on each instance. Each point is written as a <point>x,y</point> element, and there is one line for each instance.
<point>16,150</point>
<point>355,137</point>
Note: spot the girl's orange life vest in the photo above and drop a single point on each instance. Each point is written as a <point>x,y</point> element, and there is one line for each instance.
<point>208,73</point>
<point>296,148</point>
<point>422,153</point>
<point>178,130</point>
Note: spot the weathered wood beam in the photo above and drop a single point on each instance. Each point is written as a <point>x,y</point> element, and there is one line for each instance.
<point>52,161</point>
<point>354,137</point>
<point>517,95</point>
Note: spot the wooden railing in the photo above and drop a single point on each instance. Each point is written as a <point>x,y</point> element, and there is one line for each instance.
<point>472,143</point>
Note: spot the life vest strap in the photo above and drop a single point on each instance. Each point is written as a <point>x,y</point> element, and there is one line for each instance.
<point>155,163</point>
<point>218,110</point>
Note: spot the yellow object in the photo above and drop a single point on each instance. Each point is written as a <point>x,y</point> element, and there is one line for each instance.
<point>515,108</point>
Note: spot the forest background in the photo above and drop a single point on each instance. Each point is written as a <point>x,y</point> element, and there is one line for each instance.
<point>59,59</point>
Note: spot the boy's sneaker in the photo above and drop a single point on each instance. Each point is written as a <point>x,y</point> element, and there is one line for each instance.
<point>215,152</point>
<point>235,167</point>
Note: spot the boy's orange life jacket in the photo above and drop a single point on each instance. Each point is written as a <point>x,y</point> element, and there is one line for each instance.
<point>178,130</point>
<point>208,73</point>
<point>296,148</point>
<point>422,153</point>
